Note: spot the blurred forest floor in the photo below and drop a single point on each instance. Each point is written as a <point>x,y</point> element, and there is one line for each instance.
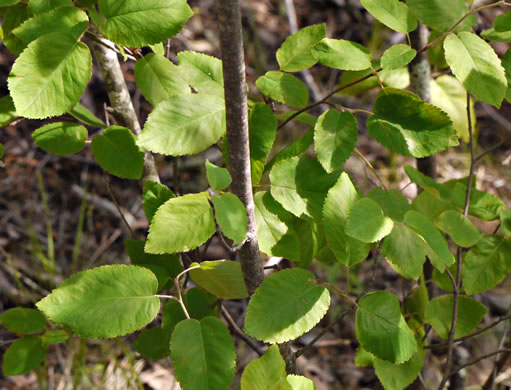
<point>64,203</point>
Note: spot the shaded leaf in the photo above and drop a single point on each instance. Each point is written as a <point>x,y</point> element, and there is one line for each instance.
<point>458,227</point>
<point>149,344</point>
<point>439,314</point>
<point>40,6</point>
<point>405,124</point>
<point>486,264</point>
<point>442,15</point>
<point>382,330</point>
<point>23,355</point>
<point>22,320</point>
<point>203,354</point>
<point>53,337</point>
<point>117,153</point>
<point>393,203</point>
<point>222,278</point>
<point>293,150</point>
<point>231,216</point>
<point>218,178</point>
<point>262,131</point>
<point>83,114</point>
<point>7,111</point>
<point>155,194</point>
<point>61,138</point>
<point>335,137</point>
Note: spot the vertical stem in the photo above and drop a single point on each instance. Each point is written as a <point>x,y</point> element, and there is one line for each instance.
<point>120,101</point>
<point>231,44</point>
<point>459,259</point>
<point>233,62</point>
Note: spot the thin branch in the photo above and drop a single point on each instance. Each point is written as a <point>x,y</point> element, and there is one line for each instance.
<point>324,331</point>
<point>459,260</point>
<point>471,335</point>
<point>493,148</point>
<point>480,358</point>
<point>370,166</point>
<point>247,339</point>
<point>117,206</point>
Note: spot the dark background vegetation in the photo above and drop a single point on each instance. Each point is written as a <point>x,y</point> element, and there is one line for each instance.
<point>66,200</point>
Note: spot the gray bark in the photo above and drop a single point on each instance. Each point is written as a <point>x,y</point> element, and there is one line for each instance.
<point>120,101</point>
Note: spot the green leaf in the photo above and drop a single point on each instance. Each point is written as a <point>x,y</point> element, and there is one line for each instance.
<point>53,337</point>
<point>505,222</point>
<point>184,124</point>
<point>382,330</point>
<point>366,221</point>
<point>163,266</point>
<point>506,64</point>
<point>364,358</point>
<point>61,138</point>
<point>427,184</point>
<point>430,206</point>
<point>398,376</point>
<point>417,300</point>
<point>266,373</point>
<point>437,247</point>
<point>458,227</point>
<point>502,22</point>
<point>63,20</point>
<point>442,15</point>
<point>262,131</point>
<point>203,354</point>
<point>475,64</point>
<point>394,203</point>
<point>301,185</point>
<point>280,233</point>
<point>335,137</point>
<point>40,6</point>
<point>83,114</point>
<point>2,151</point>
<point>117,153</point>
<point>496,36</point>
<point>8,3</point>
<point>392,13</point>
<point>342,54</point>
<point>295,53</point>
<point>159,79</point>
<point>218,178</point>
<point>202,72</point>
<point>149,344</point>
<point>405,251</point>
<point>298,382</point>
<point>13,17</point>
<point>439,314</point>
<point>448,93</point>
<point>104,302</point>
<point>407,125</point>
<point>40,73</point>
<point>181,224</point>
<point>486,264</point>
<point>304,304</point>
<point>231,216</point>
<point>303,117</point>
<point>23,356</point>
<point>21,320</point>
<point>7,111</point>
<point>397,56</point>
<point>339,201</point>
<point>222,278</point>
<point>284,88</point>
<point>155,194</point>
<point>136,23</point>
<point>295,149</point>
